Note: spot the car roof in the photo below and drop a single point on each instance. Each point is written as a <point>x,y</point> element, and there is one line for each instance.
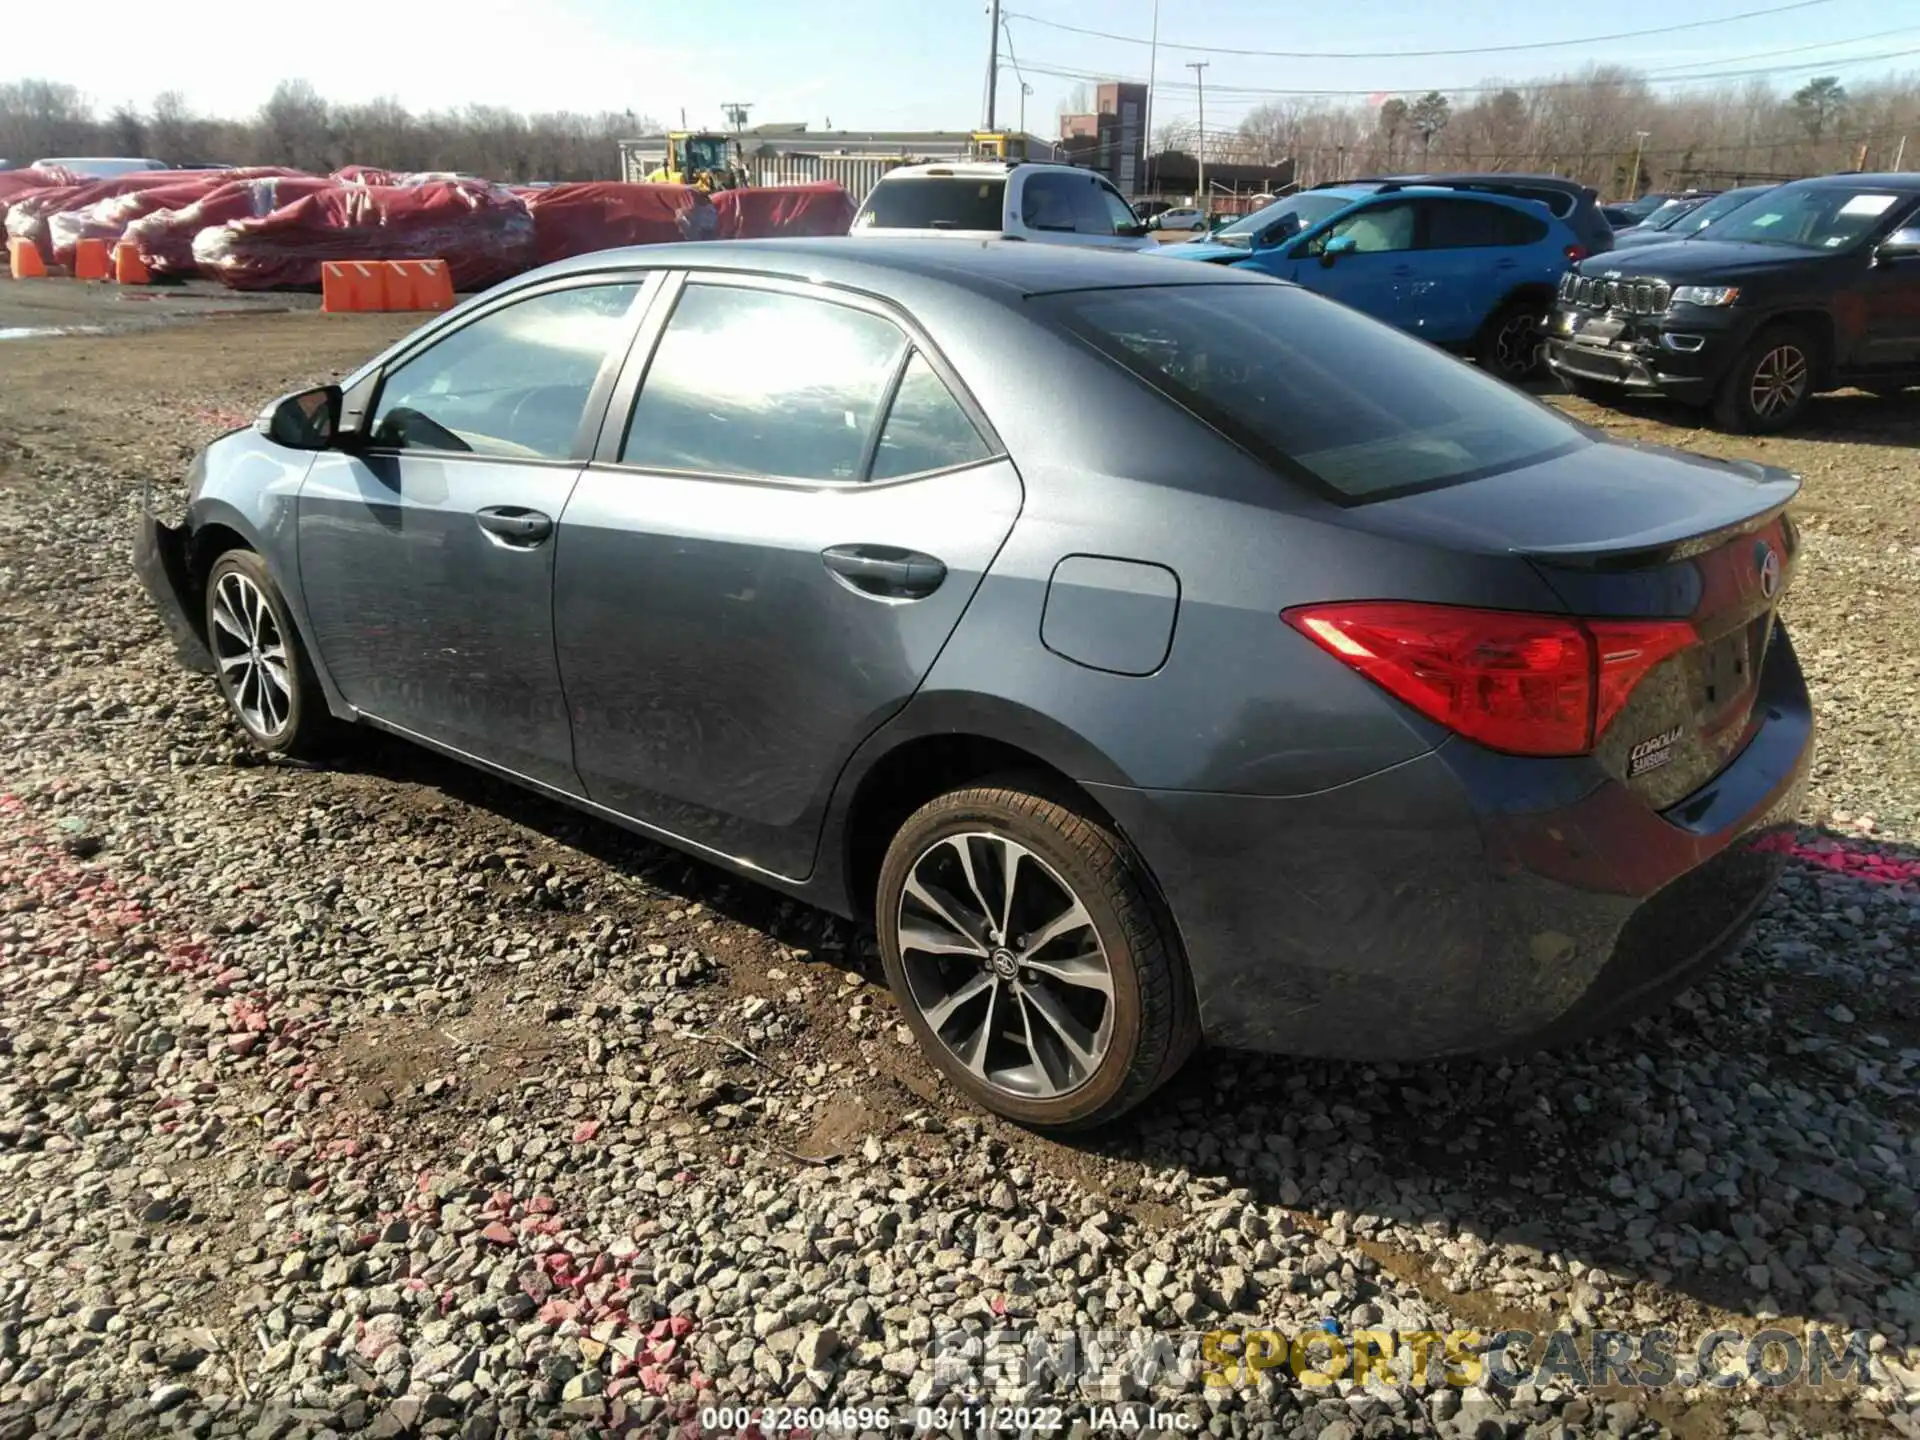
<point>1907,182</point>
<point>985,169</point>
<point>1003,269</point>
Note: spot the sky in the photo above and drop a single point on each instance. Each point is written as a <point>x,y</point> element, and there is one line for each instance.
<point>914,64</point>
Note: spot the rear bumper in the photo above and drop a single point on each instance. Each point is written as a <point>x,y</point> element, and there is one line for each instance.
<point>160,559</point>
<point>1466,902</point>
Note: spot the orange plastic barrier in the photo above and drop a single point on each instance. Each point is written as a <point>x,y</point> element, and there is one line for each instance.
<point>418,285</point>
<point>352,285</point>
<point>128,267</point>
<point>23,259</point>
<point>90,260</point>
<point>348,285</point>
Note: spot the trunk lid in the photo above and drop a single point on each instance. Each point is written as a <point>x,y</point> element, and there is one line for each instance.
<point>1622,532</point>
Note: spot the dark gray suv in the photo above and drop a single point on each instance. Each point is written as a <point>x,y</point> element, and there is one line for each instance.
<point>1150,652</point>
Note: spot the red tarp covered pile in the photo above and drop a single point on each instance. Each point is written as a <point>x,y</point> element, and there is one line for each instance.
<point>15,183</point>
<point>29,216</point>
<point>759,214</point>
<point>484,233</point>
<point>108,219</point>
<point>602,215</point>
<point>165,237</point>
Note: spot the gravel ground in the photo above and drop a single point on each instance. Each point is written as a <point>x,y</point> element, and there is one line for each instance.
<point>387,1100</point>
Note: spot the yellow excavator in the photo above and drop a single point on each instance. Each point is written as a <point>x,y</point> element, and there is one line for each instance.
<point>998,145</point>
<point>704,159</point>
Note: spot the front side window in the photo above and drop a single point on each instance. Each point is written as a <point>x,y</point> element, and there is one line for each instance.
<point>1104,212</point>
<point>761,383</point>
<point>1826,217</point>
<point>1345,403</point>
<point>513,383</point>
<point>1376,229</point>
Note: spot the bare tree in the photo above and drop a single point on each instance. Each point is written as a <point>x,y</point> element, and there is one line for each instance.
<point>1393,119</point>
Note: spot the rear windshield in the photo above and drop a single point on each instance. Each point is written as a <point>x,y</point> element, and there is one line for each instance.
<point>943,202</point>
<point>1352,406</point>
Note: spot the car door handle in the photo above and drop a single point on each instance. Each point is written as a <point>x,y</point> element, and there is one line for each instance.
<point>1403,270</point>
<point>514,525</point>
<point>1507,264</point>
<point>885,571</point>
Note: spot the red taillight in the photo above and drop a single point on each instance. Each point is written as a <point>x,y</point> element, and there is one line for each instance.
<point>1525,684</point>
<point>1576,253</point>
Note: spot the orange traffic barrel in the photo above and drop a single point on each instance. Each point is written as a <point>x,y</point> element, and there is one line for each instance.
<point>23,259</point>
<point>128,267</point>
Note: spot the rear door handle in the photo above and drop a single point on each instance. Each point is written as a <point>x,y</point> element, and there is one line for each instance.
<point>885,571</point>
<point>514,526</point>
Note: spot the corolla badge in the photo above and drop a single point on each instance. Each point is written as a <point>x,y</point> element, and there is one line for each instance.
<point>1767,561</point>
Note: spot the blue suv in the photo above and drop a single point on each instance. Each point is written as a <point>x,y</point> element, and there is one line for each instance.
<point>1470,271</point>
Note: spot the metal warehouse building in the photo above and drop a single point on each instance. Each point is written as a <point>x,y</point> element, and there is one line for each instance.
<point>794,154</point>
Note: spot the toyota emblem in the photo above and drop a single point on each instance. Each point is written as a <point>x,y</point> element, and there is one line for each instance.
<point>1768,561</point>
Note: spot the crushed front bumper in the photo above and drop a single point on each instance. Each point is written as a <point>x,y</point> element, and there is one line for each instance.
<point>160,559</point>
<point>1681,356</point>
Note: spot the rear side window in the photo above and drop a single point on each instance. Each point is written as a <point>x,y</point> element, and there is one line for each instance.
<point>1052,202</point>
<point>1344,403</point>
<point>926,429</point>
<point>759,383</point>
<point>941,202</point>
<point>1465,224</point>
<point>514,383</point>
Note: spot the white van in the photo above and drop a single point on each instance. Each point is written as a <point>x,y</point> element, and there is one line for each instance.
<point>101,167</point>
<point>1050,204</point>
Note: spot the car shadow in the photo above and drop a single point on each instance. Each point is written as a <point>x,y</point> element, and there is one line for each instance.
<point>1749,1148</point>
<point>1844,417</point>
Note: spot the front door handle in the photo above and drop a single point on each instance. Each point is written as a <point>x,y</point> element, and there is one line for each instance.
<point>514,526</point>
<point>885,571</point>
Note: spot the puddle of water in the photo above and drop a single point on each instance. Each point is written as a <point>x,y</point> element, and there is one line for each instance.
<point>40,332</point>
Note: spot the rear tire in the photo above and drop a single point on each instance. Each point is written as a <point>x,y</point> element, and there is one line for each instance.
<point>1769,386</point>
<point>1511,341</point>
<point>1064,1034</point>
<point>261,666</point>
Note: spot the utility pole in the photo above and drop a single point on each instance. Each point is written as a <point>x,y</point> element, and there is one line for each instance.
<point>1025,90</point>
<point>736,114</point>
<point>993,61</point>
<point>1639,144</point>
<point>1200,84</point>
<point>1153,60</point>
<point>1900,154</point>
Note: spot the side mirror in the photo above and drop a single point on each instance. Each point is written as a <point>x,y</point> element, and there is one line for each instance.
<point>1339,245</point>
<point>1131,232</point>
<point>306,420</point>
<point>1902,244</point>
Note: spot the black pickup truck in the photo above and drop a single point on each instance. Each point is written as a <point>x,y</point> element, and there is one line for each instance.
<point>1813,286</point>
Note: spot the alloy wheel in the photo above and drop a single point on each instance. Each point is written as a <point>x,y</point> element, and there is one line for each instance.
<point>1516,345</point>
<point>251,654</point>
<point>1005,965</point>
<point>1779,381</point>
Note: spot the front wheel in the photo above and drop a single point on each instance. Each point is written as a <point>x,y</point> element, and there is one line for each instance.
<point>1025,946</point>
<point>1510,344</point>
<point>259,661</point>
<point>1769,386</point>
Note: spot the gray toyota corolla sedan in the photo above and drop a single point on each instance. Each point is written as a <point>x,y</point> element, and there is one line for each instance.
<point>1152,652</point>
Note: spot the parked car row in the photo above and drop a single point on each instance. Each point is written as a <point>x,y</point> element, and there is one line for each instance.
<point>1806,286</point>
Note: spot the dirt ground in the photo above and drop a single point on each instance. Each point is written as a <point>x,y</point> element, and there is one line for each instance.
<point>95,717</point>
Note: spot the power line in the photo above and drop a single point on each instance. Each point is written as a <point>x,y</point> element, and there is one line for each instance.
<point>1422,54</point>
<point>1063,72</point>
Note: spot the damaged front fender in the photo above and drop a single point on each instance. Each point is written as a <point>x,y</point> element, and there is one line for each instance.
<point>160,558</point>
